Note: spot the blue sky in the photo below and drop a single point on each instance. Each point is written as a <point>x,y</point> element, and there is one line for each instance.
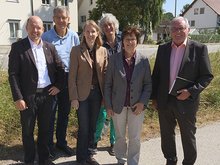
<point>169,6</point>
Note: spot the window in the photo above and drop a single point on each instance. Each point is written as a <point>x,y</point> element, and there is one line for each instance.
<point>189,22</point>
<point>47,26</point>
<point>14,27</point>
<point>46,2</point>
<point>83,18</point>
<point>91,2</point>
<point>202,10</point>
<point>64,2</point>
<point>218,20</point>
<point>16,1</point>
<point>192,23</point>
<point>196,11</point>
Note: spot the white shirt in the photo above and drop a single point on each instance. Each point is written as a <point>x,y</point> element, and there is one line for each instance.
<point>40,60</point>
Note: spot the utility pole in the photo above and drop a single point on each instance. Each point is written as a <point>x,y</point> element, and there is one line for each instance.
<point>32,7</point>
<point>175,7</point>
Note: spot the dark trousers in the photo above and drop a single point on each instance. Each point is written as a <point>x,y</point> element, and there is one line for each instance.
<point>186,120</point>
<point>40,108</point>
<point>87,116</point>
<point>62,107</point>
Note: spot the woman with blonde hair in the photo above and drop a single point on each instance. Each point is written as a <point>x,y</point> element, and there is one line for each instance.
<point>88,64</point>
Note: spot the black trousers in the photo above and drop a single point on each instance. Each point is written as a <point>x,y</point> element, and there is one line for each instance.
<point>40,109</point>
<point>183,113</point>
<point>87,115</point>
<point>62,107</point>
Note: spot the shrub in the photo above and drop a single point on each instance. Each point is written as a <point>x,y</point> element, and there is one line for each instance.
<point>206,38</point>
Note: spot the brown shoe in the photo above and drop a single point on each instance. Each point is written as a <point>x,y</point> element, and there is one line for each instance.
<point>92,161</point>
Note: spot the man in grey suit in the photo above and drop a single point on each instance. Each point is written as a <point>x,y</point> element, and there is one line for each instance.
<point>127,91</point>
<point>180,61</point>
<point>36,74</point>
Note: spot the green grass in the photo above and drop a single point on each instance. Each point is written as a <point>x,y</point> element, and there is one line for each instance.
<point>211,96</point>
<point>10,129</point>
<point>9,117</point>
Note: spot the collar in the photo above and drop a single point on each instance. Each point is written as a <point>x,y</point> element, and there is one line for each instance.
<point>117,39</point>
<point>182,45</point>
<point>133,57</point>
<point>92,49</point>
<point>65,36</point>
<point>34,45</point>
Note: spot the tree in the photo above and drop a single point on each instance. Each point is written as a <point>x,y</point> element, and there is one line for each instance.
<point>117,7</point>
<point>185,7</point>
<point>167,16</point>
<point>144,13</point>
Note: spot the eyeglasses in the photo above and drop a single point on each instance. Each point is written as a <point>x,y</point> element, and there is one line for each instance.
<point>130,39</point>
<point>178,29</point>
<point>63,18</point>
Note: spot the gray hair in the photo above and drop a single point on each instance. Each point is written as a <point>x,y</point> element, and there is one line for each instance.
<point>59,9</point>
<point>182,19</point>
<point>108,18</point>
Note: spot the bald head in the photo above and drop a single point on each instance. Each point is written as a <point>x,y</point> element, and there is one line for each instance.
<point>34,19</point>
<point>35,28</point>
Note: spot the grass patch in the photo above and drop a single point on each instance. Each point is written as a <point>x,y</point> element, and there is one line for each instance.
<point>9,117</point>
<point>10,128</point>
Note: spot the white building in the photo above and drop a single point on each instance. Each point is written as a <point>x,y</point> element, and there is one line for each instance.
<point>14,14</point>
<point>84,6</point>
<point>203,15</point>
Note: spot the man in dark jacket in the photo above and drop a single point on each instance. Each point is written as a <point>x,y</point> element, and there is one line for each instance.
<point>36,74</point>
<point>184,64</point>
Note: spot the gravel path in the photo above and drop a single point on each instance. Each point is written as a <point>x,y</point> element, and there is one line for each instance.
<point>208,145</point>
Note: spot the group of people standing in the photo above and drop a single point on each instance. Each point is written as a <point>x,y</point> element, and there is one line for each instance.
<point>104,77</point>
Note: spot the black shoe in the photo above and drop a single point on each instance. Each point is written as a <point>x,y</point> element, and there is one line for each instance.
<point>46,162</point>
<point>95,150</point>
<point>52,153</point>
<point>81,163</point>
<point>171,161</point>
<point>92,161</point>
<point>95,145</point>
<point>111,150</point>
<point>66,149</point>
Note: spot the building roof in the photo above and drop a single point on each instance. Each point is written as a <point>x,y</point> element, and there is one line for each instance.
<point>213,4</point>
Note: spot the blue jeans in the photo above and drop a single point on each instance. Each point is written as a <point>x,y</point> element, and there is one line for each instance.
<point>62,107</point>
<point>87,116</point>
